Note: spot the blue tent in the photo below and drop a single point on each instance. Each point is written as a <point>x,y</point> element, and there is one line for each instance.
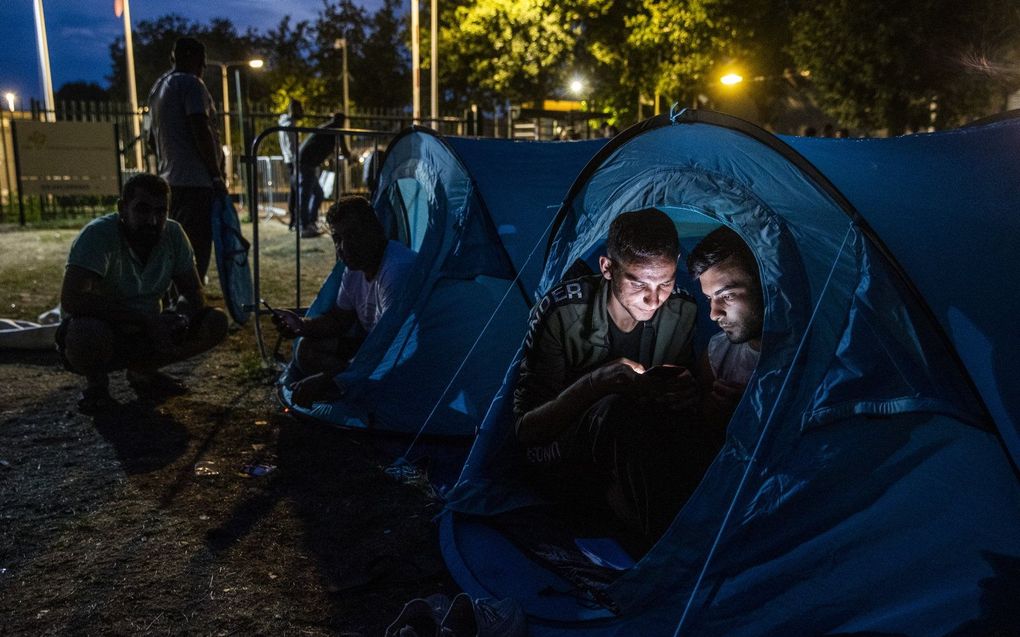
<point>866,485</point>
<point>477,212</point>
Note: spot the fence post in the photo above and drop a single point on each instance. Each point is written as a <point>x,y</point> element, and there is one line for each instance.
<point>17,173</point>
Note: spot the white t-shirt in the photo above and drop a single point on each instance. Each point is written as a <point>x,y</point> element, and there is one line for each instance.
<point>369,299</point>
<point>174,97</point>
<point>731,362</point>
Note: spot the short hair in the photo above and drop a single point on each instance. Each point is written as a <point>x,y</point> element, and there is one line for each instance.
<point>642,235</point>
<point>354,209</point>
<point>152,184</point>
<point>187,50</point>
<point>717,246</point>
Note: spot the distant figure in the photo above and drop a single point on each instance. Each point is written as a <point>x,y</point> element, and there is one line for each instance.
<point>377,269</point>
<point>728,273</point>
<point>842,133</point>
<point>810,131</point>
<point>316,149</point>
<point>184,138</point>
<point>288,148</point>
<point>607,130</point>
<point>828,131</point>
<point>119,268</point>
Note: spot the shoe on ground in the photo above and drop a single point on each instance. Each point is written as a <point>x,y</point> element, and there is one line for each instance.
<point>485,617</point>
<point>155,384</point>
<point>96,400</point>
<point>420,617</point>
<point>310,232</point>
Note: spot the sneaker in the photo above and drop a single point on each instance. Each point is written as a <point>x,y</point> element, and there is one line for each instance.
<point>310,232</point>
<point>486,617</point>
<point>420,617</point>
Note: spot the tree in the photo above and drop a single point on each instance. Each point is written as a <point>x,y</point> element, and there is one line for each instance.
<point>81,92</point>
<point>153,43</point>
<point>496,50</point>
<point>889,65</point>
<point>679,49</point>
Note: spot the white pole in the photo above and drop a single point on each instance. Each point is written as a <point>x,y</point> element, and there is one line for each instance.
<point>434,86</point>
<point>44,61</point>
<point>415,65</point>
<point>129,52</point>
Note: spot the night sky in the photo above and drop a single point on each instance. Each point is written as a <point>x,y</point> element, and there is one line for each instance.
<point>79,34</point>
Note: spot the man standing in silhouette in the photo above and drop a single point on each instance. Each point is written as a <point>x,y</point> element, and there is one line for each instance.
<point>183,135</point>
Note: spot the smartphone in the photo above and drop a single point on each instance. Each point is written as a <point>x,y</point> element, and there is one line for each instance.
<point>268,306</point>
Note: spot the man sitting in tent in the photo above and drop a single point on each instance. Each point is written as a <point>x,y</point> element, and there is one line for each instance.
<point>119,268</point>
<point>605,402</point>
<point>728,273</point>
<point>376,271</point>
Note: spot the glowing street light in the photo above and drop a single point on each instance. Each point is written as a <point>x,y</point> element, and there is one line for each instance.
<point>731,78</point>
<point>255,63</point>
<point>10,97</point>
<point>576,86</point>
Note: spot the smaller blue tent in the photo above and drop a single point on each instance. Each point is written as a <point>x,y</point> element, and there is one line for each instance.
<point>477,212</point>
<point>865,485</point>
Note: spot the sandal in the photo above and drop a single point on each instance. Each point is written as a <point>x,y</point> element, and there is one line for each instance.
<point>155,384</point>
<point>96,400</point>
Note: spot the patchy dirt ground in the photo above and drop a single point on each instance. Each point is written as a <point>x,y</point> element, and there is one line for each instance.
<point>141,522</point>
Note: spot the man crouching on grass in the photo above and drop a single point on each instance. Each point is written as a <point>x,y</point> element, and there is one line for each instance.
<point>119,269</point>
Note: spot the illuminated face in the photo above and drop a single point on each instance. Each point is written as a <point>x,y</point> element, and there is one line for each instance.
<point>735,301</point>
<point>144,217</point>
<point>638,288</point>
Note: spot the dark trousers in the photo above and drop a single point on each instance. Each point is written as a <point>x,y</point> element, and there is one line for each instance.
<point>639,460</point>
<point>191,207</point>
<point>311,195</point>
<point>292,195</point>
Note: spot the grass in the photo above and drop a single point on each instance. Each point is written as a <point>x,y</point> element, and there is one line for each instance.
<point>32,267</point>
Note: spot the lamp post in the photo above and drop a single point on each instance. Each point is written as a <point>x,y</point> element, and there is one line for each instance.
<point>341,44</point>
<point>255,63</point>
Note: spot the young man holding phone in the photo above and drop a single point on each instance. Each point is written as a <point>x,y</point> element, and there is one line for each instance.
<point>606,405</point>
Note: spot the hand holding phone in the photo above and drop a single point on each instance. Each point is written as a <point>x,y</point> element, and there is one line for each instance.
<point>287,322</point>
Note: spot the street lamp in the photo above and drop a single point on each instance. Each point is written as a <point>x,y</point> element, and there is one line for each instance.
<point>255,63</point>
<point>577,86</point>
<point>731,78</point>
<point>341,44</point>
<point>10,97</point>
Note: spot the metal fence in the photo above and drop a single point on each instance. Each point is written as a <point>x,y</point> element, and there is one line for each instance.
<point>133,155</point>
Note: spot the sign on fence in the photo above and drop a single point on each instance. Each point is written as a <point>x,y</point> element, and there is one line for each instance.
<point>67,158</point>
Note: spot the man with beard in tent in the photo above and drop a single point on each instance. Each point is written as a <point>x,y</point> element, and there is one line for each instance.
<point>728,273</point>
<point>119,269</point>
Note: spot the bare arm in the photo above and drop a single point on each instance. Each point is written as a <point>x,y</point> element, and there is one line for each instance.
<point>335,322</point>
<point>79,297</point>
<point>544,423</point>
<point>190,287</point>
<point>201,132</point>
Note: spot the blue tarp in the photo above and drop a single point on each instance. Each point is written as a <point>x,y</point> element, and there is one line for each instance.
<point>477,212</point>
<point>864,486</point>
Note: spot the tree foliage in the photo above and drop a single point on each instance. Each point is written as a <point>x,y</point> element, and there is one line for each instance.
<point>873,64</point>
<point>881,64</point>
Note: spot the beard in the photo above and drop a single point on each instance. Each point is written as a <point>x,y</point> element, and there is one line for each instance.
<point>142,239</point>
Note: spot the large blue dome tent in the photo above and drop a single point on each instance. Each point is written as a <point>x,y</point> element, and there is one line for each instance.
<point>477,212</point>
<point>868,483</point>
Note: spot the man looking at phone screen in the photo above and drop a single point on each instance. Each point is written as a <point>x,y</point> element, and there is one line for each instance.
<point>605,407</point>
<point>728,273</point>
